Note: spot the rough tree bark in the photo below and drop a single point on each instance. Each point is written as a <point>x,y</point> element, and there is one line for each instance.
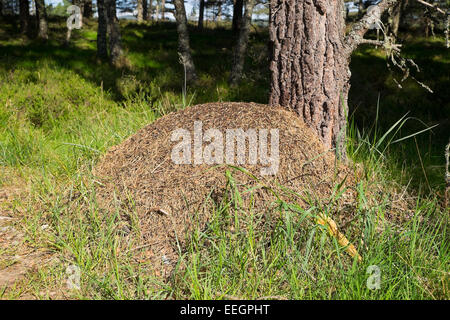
<point>41,15</point>
<point>184,48</point>
<point>140,10</point>
<point>241,45</point>
<point>201,13</point>
<point>115,39</point>
<point>238,5</point>
<point>102,47</point>
<point>24,12</point>
<point>310,63</point>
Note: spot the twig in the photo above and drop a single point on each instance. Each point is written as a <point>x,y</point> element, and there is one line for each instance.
<point>156,167</point>
<point>431,6</point>
<point>373,42</point>
<point>143,246</point>
<point>160,211</point>
<point>230,297</point>
<point>227,296</point>
<point>387,44</point>
<point>6,218</point>
<point>272,298</point>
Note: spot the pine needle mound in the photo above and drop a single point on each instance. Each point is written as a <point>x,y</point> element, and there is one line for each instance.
<point>171,199</point>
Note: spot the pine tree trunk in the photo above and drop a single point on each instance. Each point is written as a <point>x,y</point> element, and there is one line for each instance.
<point>140,11</point>
<point>219,11</point>
<point>102,48</point>
<point>150,10</point>
<point>87,9</point>
<point>184,48</point>
<point>241,45</point>
<point>145,10</point>
<point>41,15</point>
<point>310,65</point>
<point>201,14</point>
<point>396,17</point>
<point>237,15</point>
<point>24,11</point>
<point>115,40</point>
<point>163,9</point>
<point>447,31</point>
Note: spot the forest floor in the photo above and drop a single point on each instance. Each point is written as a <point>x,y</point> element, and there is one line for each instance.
<point>61,109</point>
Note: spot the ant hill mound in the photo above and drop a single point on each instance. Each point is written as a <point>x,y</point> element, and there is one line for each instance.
<point>175,171</point>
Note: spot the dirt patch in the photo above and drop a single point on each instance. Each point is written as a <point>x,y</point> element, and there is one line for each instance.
<point>169,198</point>
<point>17,258</point>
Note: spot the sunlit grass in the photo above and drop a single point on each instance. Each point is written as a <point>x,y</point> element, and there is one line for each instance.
<point>61,109</point>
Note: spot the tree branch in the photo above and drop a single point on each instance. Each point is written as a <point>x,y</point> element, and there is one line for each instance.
<point>372,42</point>
<point>356,35</point>
<point>359,29</point>
<point>387,44</point>
<point>431,6</point>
